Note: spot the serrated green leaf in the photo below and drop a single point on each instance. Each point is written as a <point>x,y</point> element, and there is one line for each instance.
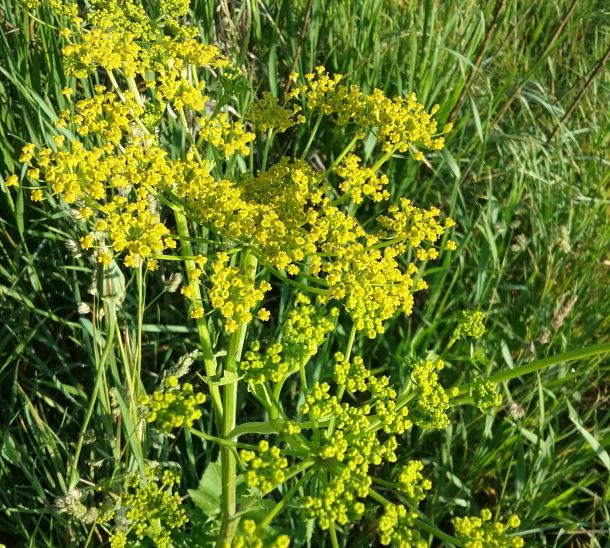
<point>209,492</point>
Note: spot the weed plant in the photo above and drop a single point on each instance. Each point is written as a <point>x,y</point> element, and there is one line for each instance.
<point>226,324</point>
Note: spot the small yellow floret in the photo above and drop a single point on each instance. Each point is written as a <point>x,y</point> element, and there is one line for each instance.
<point>87,242</point>
<point>11,180</point>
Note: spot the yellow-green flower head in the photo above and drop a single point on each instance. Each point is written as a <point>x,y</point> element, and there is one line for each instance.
<point>106,115</point>
<point>266,114</point>
<point>173,407</point>
<point>100,47</point>
<point>253,536</point>
<point>482,532</point>
<point>412,482</point>
<point>124,17</point>
<point>265,468</point>
<point>396,527</point>
<point>432,400</point>
<point>471,325</point>
<point>60,7</point>
<point>154,510</point>
<point>485,394</point>
<point>234,293</point>
<point>225,135</point>
<point>359,181</point>
<point>399,123</point>
<point>305,329</point>
<point>363,435</point>
<point>174,8</point>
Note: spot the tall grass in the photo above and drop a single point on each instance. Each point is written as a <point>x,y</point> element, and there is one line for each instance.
<point>525,173</point>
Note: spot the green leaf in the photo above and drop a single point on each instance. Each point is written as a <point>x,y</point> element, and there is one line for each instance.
<point>601,453</point>
<point>451,164</point>
<point>9,450</point>
<point>228,377</point>
<point>209,492</point>
<point>112,284</point>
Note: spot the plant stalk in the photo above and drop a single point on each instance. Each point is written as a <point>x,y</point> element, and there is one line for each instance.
<point>227,456</point>
<point>205,342</point>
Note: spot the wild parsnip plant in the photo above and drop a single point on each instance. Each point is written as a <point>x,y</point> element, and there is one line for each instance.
<point>163,159</point>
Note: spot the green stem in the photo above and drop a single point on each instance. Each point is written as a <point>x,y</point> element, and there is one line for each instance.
<point>271,427</point>
<point>227,456</point>
<point>348,353</point>
<point>137,369</point>
<point>266,149</point>
<point>384,159</point>
<point>222,441</point>
<point>312,136</point>
<point>527,368</point>
<point>341,387</point>
<point>209,360</point>
<point>133,87</point>
<point>432,529</point>
<point>339,158</point>
<point>280,505</point>
<point>189,135</point>
<point>302,287</point>
<point>333,535</point>
<point>110,331</point>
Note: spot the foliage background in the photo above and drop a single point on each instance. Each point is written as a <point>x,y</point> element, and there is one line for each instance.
<point>525,174</point>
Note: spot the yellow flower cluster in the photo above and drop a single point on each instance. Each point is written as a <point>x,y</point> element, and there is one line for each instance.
<point>396,527</point>
<point>319,89</point>
<point>485,395</point>
<point>259,367</point>
<point>101,47</point>
<point>60,7</point>
<point>225,135</point>
<point>471,325</point>
<point>121,36</point>
<point>172,60</point>
<point>174,406</point>
<point>115,189</point>
<point>234,293</point>
<point>349,452</point>
<point>481,532</point>
<point>124,17</point>
<point>357,378</point>
<point>132,227</point>
<point>105,115</point>
<point>341,500</point>
<point>402,123</point>
<point>267,212</point>
<point>370,282</point>
<point>420,228</point>
<point>287,215</point>
<point>266,113</point>
<point>174,8</point>
<point>31,4</point>
<point>265,469</point>
<point>351,374</point>
<point>153,509</point>
<point>284,215</point>
<point>252,538</point>
<point>398,123</point>
<point>358,438</point>
<point>432,402</point>
<point>305,329</point>
<point>412,483</point>
<point>359,181</point>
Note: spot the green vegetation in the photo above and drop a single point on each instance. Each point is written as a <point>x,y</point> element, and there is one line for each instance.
<point>87,350</point>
